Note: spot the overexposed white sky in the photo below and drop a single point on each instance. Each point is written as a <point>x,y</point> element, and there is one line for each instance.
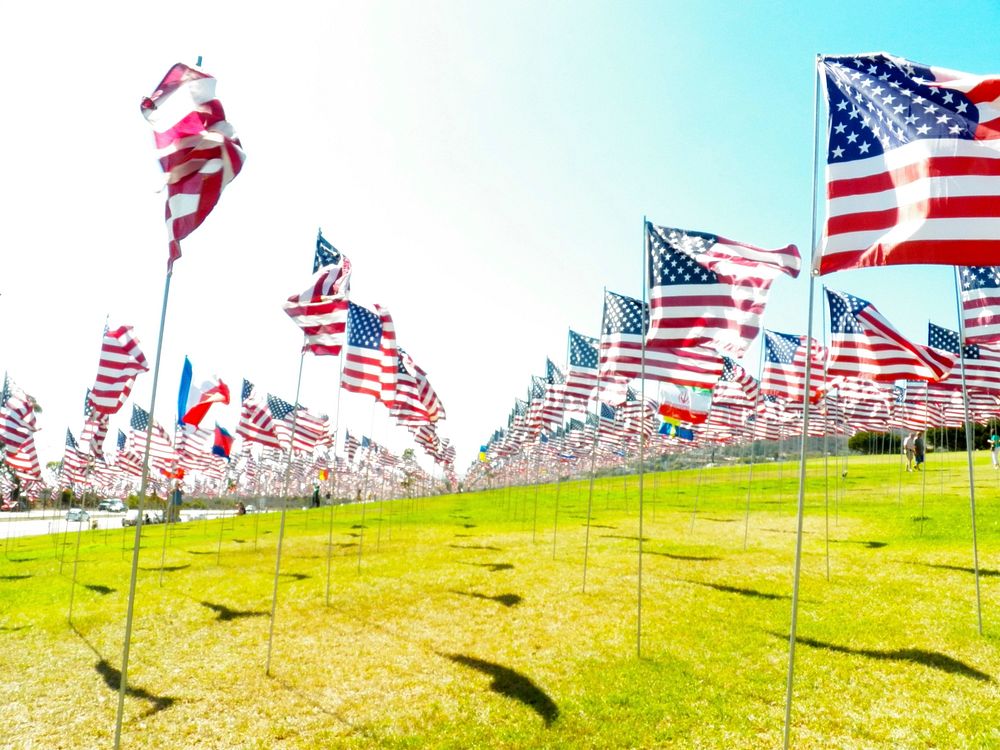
<point>486,167</point>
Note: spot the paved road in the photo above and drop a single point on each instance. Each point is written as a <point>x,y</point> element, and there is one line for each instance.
<point>38,522</point>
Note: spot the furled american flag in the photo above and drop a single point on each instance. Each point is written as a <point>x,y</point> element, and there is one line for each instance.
<point>120,361</point>
<point>363,355</point>
<point>981,303</point>
<point>865,345</point>
<point>912,164</point>
<point>321,309</point>
<point>198,150</point>
<point>625,320</point>
<point>581,376</point>
<point>982,361</point>
<point>705,290</point>
<point>784,372</point>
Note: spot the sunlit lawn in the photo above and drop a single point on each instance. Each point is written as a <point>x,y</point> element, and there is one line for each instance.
<point>463,621</point>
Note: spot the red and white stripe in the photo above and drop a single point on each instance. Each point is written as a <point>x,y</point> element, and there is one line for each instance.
<point>321,309</point>
<point>120,362</point>
<point>197,148</point>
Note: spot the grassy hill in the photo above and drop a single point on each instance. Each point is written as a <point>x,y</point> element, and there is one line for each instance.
<point>461,621</point>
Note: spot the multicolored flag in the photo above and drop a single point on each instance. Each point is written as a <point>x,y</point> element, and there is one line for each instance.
<point>705,290</point>
<point>223,442</point>
<point>864,344</point>
<point>199,152</point>
<point>912,164</point>
<point>194,401</point>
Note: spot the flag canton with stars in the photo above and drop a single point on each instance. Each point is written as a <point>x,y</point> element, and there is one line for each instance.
<point>780,348</point>
<point>878,103</point>
<point>843,308</point>
<point>364,327</point>
<point>247,390</point>
<point>947,339</point>
<point>980,277</point>
<point>140,418</point>
<point>582,351</point>
<point>326,254</point>
<point>88,408</point>
<point>672,256</point>
<point>70,440</point>
<point>5,393</point>
<point>121,440</point>
<point>537,387</point>
<point>552,373</point>
<point>728,369</point>
<point>625,315</point>
<point>279,407</point>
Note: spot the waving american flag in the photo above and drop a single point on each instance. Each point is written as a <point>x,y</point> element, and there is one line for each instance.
<point>913,164</point>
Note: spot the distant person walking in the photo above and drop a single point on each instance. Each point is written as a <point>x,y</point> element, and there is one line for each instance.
<point>994,443</point>
<point>908,451</point>
<point>918,450</point>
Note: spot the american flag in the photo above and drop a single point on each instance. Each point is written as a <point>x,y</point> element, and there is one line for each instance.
<point>199,152</point>
<point>311,430</point>
<point>981,303</point>
<point>865,345</point>
<point>982,361</point>
<point>416,400</point>
<point>390,358</point>
<point>625,320</point>
<point>24,461</point>
<point>784,372</point>
<point>95,429</point>
<point>256,424</point>
<point>733,372</point>
<point>17,416</point>
<point>705,290</point>
<point>321,309</point>
<point>363,355</point>
<point>912,161</point>
<point>581,376</point>
<point>120,361</point>
<point>247,390</point>
<point>161,448</point>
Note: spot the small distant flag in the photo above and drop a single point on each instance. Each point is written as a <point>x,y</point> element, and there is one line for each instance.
<point>223,444</point>
<point>323,475</point>
<point>482,453</point>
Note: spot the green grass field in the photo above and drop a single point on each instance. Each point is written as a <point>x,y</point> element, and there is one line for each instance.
<point>463,622</point>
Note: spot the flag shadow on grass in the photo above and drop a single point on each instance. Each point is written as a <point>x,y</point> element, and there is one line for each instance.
<point>674,556</point>
<point>98,588</point>
<point>113,679</point>
<point>512,684</point>
<point>736,590</point>
<point>476,546</point>
<point>493,567</point>
<point>15,577</point>
<point>932,659</point>
<point>507,600</point>
<point>225,614</point>
<point>175,568</point>
<point>21,559</point>
<point>984,572</point>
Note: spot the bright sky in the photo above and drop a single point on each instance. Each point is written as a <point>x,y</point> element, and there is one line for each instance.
<point>486,167</point>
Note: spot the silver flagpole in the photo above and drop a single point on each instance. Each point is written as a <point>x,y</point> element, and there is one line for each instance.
<point>336,432</point>
<point>642,420</point>
<point>753,443</point>
<point>593,447</point>
<point>284,507</point>
<point>969,439</point>
<point>123,684</point>
<point>805,428</point>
